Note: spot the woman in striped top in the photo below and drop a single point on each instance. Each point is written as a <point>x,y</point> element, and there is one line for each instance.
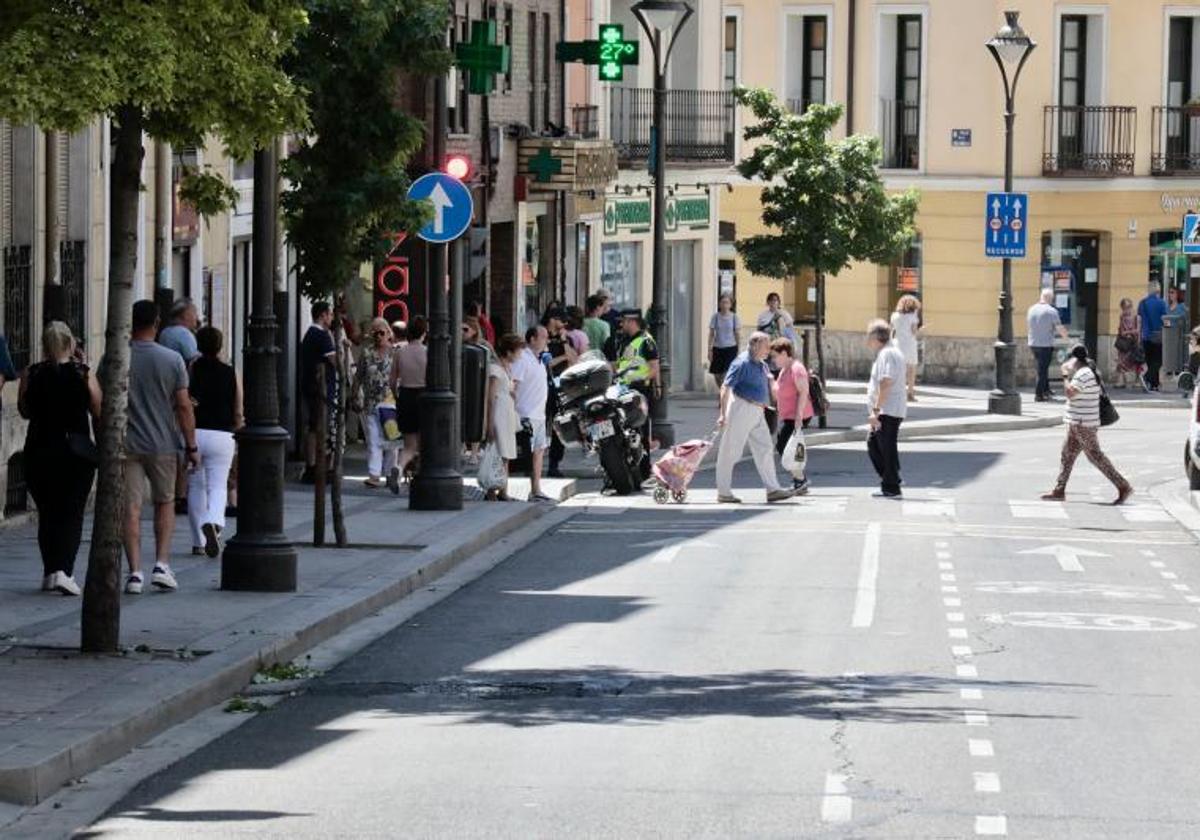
<point>1083,421</point>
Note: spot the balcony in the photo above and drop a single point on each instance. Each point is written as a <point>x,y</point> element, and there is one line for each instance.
<point>900,132</point>
<point>585,121</point>
<point>1088,141</point>
<point>1176,141</point>
<point>699,125</point>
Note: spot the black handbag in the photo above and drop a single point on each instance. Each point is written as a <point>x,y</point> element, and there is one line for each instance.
<point>82,447</point>
<point>1124,343</point>
<point>1108,411</point>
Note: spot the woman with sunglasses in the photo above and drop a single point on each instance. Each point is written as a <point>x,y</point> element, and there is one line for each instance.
<point>372,387</point>
<point>408,382</point>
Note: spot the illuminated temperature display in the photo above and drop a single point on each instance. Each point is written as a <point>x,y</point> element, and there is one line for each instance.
<point>615,52</point>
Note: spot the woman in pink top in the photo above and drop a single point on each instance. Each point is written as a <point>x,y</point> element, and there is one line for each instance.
<point>791,396</point>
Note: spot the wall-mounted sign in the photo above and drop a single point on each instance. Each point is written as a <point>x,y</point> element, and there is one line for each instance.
<point>567,164</point>
<point>611,53</point>
<point>632,215</point>
<point>691,213</point>
<point>391,282</point>
<point>960,137</point>
<point>1177,203</point>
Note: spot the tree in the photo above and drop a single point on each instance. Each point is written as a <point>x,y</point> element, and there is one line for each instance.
<point>349,177</point>
<point>179,72</point>
<point>823,199</point>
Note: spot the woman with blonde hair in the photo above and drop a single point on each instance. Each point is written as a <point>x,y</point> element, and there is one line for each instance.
<point>372,388</point>
<point>56,396</point>
<point>906,327</point>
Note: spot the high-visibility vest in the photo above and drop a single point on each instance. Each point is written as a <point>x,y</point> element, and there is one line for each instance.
<point>632,366</point>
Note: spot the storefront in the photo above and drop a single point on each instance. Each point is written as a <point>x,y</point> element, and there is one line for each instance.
<point>1071,269</point>
<point>627,269</point>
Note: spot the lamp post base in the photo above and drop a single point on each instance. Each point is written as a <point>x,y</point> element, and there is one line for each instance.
<point>1000,402</point>
<point>261,566</point>
<point>438,485</point>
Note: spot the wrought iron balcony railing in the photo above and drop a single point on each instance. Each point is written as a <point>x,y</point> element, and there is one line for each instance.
<point>585,121</point>
<point>1089,140</point>
<point>699,125</point>
<point>1175,137</point>
<point>900,133</point>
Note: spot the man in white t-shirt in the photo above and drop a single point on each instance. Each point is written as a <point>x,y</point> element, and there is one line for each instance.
<point>888,406</point>
<point>532,386</point>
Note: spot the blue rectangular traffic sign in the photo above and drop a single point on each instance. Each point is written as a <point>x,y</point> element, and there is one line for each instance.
<point>1004,228</point>
<point>1191,233</point>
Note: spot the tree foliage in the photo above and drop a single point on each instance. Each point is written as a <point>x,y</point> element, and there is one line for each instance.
<point>180,72</point>
<point>349,176</point>
<point>823,199</point>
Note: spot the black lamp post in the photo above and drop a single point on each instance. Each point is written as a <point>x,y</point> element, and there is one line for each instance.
<point>260,558</point>
<point>1011,48</point>
<point>657,18</point>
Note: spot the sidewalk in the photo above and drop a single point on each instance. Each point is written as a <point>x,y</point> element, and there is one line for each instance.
<point>938,411</point>
<point>63,713</point>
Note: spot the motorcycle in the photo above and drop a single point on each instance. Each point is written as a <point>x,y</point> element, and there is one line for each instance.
<point>604,418</point>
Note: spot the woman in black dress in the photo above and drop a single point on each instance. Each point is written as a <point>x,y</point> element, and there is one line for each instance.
<point>56,397</point>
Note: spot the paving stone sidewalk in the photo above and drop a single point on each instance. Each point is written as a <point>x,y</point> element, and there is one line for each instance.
<point>63,713</point>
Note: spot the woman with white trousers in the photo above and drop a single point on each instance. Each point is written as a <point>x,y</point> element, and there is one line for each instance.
<point>217,397</point>
<point>371,389</point>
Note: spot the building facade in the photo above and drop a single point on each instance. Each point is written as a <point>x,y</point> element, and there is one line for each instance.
<point>1106,145</point>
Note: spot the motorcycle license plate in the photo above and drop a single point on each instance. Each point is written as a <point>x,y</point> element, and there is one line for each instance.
<point>600,431</point>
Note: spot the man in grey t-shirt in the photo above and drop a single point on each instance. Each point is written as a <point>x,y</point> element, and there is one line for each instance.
<point>160,419</point>
<point>1043,322</point>
<point>887,402</point>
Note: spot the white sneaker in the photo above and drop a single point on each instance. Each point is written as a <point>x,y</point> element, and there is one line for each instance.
<point>65,584</point>
<point>47,583</point>
<point>133,584</point>
<point>162,578</point>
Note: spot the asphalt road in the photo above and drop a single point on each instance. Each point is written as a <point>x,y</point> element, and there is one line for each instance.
<point>969,661</point>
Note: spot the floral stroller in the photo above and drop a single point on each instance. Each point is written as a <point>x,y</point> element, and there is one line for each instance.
<point>674,471</point>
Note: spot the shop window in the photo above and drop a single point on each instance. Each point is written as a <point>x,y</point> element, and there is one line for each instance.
<point>904,278</point>
<point>620,264</point>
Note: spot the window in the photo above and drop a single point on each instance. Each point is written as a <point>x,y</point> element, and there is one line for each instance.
<point>533,70</point>
<point>546,54</point>
<point>729,54</point>
<point>508,41</point>
<point>900,70</point>
<point>806,76</point>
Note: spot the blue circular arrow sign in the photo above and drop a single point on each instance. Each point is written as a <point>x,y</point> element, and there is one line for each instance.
<point>453,206</point>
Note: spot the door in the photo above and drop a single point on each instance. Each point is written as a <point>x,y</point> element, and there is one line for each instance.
<point>681,269</point>
<point>1179,92</point>
<point>1072,87</point>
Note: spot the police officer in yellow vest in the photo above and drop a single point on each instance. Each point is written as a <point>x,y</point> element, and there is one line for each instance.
<point>637,361</point>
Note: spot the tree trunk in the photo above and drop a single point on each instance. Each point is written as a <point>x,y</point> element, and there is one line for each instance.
<point>822,419</point>
<point>322,458</point>
<point>339,436</point>
<point>101,621</point>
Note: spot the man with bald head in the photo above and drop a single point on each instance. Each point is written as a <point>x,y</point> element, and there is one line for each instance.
<point>1044,323</point>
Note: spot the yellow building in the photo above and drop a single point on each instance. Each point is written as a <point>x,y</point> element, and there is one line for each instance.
<point>1105,144</point>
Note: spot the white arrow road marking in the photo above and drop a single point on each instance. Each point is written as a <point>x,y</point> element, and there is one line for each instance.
<point>836,806</point>
<point>668,549</point>
<point>868,574</point>
<point>1067,555</point>
<point>441,203</point>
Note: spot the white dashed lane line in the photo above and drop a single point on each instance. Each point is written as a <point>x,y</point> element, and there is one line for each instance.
<point>836,804</point>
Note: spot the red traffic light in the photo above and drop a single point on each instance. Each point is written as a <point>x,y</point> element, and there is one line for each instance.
<point>458,166</point>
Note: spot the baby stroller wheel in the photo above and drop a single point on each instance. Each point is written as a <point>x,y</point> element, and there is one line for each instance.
<point>661,494</point>
<point>679,496</point>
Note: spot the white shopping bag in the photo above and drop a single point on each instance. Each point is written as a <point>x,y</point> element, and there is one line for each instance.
<point>795,454</point>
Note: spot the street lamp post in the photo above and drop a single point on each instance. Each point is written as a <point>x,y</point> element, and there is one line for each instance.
<point>657,17</point>
<point>1010,47</point>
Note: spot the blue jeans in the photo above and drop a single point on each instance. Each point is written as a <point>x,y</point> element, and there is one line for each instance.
<point>1043,355</point>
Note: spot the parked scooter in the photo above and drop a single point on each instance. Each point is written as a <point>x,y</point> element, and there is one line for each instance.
<point>603,418</point>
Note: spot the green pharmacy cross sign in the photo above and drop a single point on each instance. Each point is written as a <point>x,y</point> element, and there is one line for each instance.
<point>482,57</point>
<point>544,165</point>
<point>611,53</point>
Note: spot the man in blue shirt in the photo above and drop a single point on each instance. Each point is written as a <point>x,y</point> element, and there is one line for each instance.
<point>745,395</point>
<point>1151,311</point>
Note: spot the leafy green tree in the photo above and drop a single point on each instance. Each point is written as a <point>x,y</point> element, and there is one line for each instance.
<point>822,199</point>
<point>179,72</point>
<point>349,177</point>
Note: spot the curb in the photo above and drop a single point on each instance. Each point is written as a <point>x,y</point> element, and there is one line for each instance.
<point>232,670</point>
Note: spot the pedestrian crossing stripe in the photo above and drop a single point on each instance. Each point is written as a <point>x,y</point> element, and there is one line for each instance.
<point>1144,513</point>
<point>929,507</point>
<point>1026,509</point>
